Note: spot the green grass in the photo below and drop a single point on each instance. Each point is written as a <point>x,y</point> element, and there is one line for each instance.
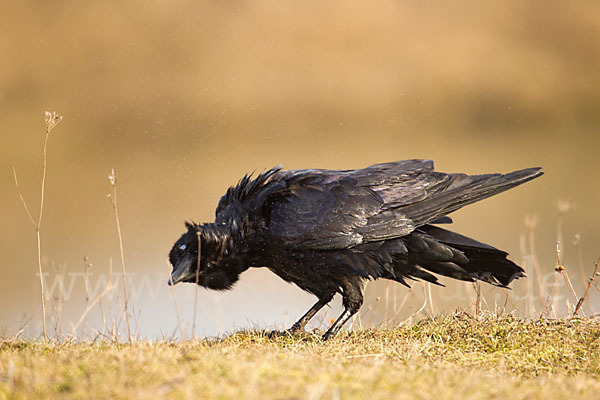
<point>456,356</point>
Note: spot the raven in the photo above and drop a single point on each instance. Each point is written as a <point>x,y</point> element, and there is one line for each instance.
<point>327,231</point>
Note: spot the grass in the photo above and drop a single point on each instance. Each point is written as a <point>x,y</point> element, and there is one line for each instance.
<point>481,356</point>
<point>443,357</point>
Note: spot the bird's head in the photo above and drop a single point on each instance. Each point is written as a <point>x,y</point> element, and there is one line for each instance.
<point>210,269</point>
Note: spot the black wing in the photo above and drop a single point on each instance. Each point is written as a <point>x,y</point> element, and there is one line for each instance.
<point>321,209</point>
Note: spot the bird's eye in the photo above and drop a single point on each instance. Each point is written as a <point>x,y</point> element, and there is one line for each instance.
<point>182,247</point>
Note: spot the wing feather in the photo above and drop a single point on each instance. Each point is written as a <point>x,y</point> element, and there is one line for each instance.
<point>322,209</point>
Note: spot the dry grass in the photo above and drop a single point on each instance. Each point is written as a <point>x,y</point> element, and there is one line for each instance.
<point>52,119</point>
<point>480,356</point>
<point>113,201</point>
<point>452,356</point>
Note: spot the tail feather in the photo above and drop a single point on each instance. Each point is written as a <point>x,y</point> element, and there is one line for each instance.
<point>450,254</point>
<point>485,262</point>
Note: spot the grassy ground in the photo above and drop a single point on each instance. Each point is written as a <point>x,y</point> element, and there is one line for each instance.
<point>447,357</point>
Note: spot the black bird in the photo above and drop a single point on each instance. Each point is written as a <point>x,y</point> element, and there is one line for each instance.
<point>328,231</point>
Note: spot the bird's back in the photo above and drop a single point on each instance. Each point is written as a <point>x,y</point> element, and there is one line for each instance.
<point>329,209</point>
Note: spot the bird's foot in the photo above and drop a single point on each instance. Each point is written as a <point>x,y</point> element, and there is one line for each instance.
<point>275,334</point>
<point>327,335</point>
<point>296,333</point>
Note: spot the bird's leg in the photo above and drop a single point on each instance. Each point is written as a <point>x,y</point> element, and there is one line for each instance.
<point>352,300</point>
<point>337,325</point>
<point>301,323</point>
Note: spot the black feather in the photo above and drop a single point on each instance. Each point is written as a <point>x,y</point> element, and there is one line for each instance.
<point>328,231</point>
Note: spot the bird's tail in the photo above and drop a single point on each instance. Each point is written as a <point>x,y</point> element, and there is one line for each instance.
<point>477,261</point>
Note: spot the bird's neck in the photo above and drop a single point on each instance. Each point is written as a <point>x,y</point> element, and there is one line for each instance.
<point>214,233</point>
<point>228,244</point>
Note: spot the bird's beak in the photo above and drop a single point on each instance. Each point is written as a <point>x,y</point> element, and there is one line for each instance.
<point>182,271</point>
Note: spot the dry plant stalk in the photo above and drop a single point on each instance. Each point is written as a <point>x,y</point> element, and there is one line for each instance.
<point>103,315</point>
<point>580,302</point>
<point>394,300</point>
<point>477,287</point>
<point>562,206</point>
<point>420,309</point>
<point>531,222</point>
<point>21,329</point>
<point>371,312</point>
<point>109,302</point>
<point>51,119</point>
<point>359,314</point>
<point>59,302</point>
<point>527,264</point>
<point>431,308</point>
<point>113,200</point>
<point>88,308</point>
<point>198,236</point>
<point>177,313</point>
<point>505,302</point>
<point>136,333</point>
<point>560,268</point>
<point>577,244</point>
<point>387,303</point>
<point>551,299</point>
<point>119,312</point>
<point>87,265</point>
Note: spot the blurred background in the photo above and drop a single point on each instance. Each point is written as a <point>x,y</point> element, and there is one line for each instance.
<point>182,98</point>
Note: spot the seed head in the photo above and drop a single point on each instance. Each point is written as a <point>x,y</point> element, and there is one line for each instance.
<point>52,119</point>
